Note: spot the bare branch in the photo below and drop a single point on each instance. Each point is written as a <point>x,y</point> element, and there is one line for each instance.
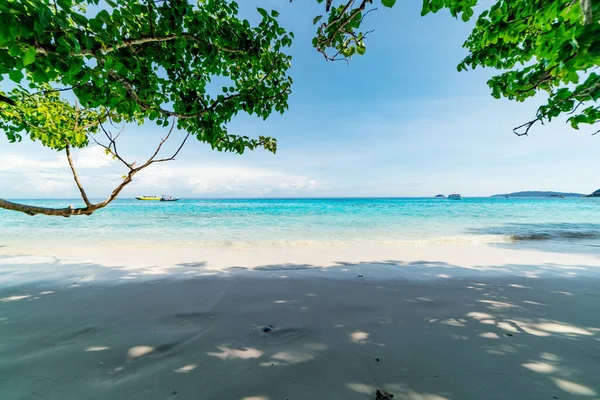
<point>76,177</point>
<point>177,152</point>
<point>527,126</point>
<point>112,143</point>
<point>161,143</point>
<point>90,207</point>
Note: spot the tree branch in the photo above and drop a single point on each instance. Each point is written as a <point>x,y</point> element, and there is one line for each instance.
<point>33,210</point>
<point>343,24</point>
<point>7,100</point>
<point>177,152</point>
<point>527,126</point>
<point>127,43</point>
<point>167,113</point>
<point>112,143</point>
<point>147,107</point>
<point>151,159</point>
<point>76,177</point>
<point>90,208</point>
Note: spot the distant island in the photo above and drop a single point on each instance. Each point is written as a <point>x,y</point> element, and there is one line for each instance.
<point>595,194</point>
<point>540,194</point>
<point>440,196</point>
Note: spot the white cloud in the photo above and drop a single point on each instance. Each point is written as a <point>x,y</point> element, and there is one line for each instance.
<point>16,163</point>
<point>89,157</point>
<point>93,157</point>
<point>214,178</point>
<point>23,176</point>
<point>26,177</point>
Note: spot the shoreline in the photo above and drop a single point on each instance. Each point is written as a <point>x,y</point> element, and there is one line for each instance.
<point>157,258</point>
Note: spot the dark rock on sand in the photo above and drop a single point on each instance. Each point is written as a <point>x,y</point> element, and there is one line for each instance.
<point>383,395</point>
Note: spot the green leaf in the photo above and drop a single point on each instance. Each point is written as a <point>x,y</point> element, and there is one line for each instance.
<point>16,75</point>
<point>262,12</point>
<point>79,19</point>
<point>15,50</point>
<point>317,19</point>
<point>29,56</point>
<point>388,3</point>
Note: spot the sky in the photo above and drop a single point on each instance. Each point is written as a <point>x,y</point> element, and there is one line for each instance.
<point>398,121</point>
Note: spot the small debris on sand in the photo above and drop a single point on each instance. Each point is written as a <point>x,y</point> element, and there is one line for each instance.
<point>379,395</point>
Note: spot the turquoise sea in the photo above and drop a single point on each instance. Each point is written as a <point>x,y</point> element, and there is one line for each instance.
<point>566,225</point>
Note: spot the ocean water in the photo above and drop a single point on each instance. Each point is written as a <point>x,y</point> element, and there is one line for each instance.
<point>565,225</point>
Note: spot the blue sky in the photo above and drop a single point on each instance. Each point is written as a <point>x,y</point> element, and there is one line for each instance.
<point>399,121</point>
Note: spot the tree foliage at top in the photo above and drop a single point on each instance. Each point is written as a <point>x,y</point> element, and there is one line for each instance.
<point>142,60</point>
<point>124,61</point>
<point>548,46</point>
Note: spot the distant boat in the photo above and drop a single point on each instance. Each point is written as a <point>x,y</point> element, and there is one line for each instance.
<point>440,196</point>
<point>168,198</point>
<point>455,196</point>
<point>155,198</point>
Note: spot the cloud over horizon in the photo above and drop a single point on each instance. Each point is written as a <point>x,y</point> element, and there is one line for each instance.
<point>51,177</point>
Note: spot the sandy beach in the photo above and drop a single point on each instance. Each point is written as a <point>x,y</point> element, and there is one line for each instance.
<point>199,202</point>
<point>434,325</point>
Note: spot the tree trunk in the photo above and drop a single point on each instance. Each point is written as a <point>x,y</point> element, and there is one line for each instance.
<point>33,210</point>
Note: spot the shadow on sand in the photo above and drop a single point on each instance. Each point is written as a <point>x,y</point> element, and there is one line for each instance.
<point>423,330</point>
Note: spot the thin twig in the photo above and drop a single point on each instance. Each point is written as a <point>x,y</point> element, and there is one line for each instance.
<point>108,148</point>
<point>177,152</point>
<point>527,126</point>
<point>162,142</point>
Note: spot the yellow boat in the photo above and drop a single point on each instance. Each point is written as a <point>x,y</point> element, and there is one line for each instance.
<point>156,198</point>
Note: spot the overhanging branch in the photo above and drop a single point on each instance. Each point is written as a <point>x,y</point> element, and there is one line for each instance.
<point>90,208</point>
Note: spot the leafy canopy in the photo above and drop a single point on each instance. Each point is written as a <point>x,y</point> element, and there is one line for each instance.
<point>138,60</point>
<point>548,46</point>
